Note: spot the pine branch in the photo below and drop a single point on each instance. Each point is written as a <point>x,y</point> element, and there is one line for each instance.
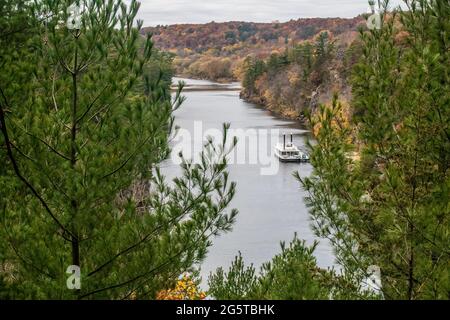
<point>92,104</point>
<point>154,231</point>
<point>17,170</point>
<point>47,145</point>
<point>32,265</point>
<point>179,253</point>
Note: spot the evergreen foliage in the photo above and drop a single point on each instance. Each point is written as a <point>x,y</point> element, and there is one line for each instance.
<point>380,188</point>
<point>85,118</point>
<point>379,192</point>
<point>290,275</point>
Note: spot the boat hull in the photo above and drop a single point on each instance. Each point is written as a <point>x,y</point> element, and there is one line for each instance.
<point>292,160</point>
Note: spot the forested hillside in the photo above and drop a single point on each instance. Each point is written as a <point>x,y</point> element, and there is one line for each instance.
<point>301,77</point>
<point>216,50</point>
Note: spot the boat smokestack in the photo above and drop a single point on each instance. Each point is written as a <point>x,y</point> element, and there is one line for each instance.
<point>284,141</point>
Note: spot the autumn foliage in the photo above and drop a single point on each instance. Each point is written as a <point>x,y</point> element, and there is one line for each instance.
<point>185,289</point>
<point>297,80</point>
<point>216,51</point>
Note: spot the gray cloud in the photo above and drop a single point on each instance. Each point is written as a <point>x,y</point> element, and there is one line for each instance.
<point>155,12</point>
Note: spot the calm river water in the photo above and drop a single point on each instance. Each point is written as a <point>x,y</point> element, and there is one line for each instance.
<point>271,207</point>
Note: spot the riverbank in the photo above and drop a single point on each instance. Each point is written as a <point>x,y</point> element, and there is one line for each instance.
<point>284,113</point>
<point>197,84</point>
<point>204,85</point>
<point>218,80</point>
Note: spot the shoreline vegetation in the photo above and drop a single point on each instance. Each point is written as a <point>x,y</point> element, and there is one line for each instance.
<point>209,85</point>
<point>282,114</point>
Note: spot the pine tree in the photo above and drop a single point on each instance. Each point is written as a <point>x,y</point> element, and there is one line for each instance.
<point>84,126</point>
<point>254,68</point>
<point>380,188</point>
<point>291,275</point>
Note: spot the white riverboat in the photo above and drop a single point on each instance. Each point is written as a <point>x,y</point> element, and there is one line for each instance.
<point>289,152</point>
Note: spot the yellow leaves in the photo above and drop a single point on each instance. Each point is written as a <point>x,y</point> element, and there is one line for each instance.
<point>294,78</point>
<point>261,83</point>
<point>185,289</point>
<point>239,69</point>
<point>187,51</point>
<point>211,68</point>
<point>341,120</point>
<point>290,114</point>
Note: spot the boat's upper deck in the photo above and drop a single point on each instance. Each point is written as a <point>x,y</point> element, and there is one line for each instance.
<point>290,147</point>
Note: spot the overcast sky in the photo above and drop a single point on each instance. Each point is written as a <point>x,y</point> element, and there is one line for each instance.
<point>155,12</point>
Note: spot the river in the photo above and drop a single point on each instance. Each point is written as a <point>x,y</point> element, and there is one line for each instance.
<point>271,207</point>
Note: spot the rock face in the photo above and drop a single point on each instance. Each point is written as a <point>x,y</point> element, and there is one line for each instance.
<point>314,100</point>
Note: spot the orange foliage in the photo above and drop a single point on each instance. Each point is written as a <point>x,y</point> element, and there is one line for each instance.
<point>203,43</point>
<point>185,289</point>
